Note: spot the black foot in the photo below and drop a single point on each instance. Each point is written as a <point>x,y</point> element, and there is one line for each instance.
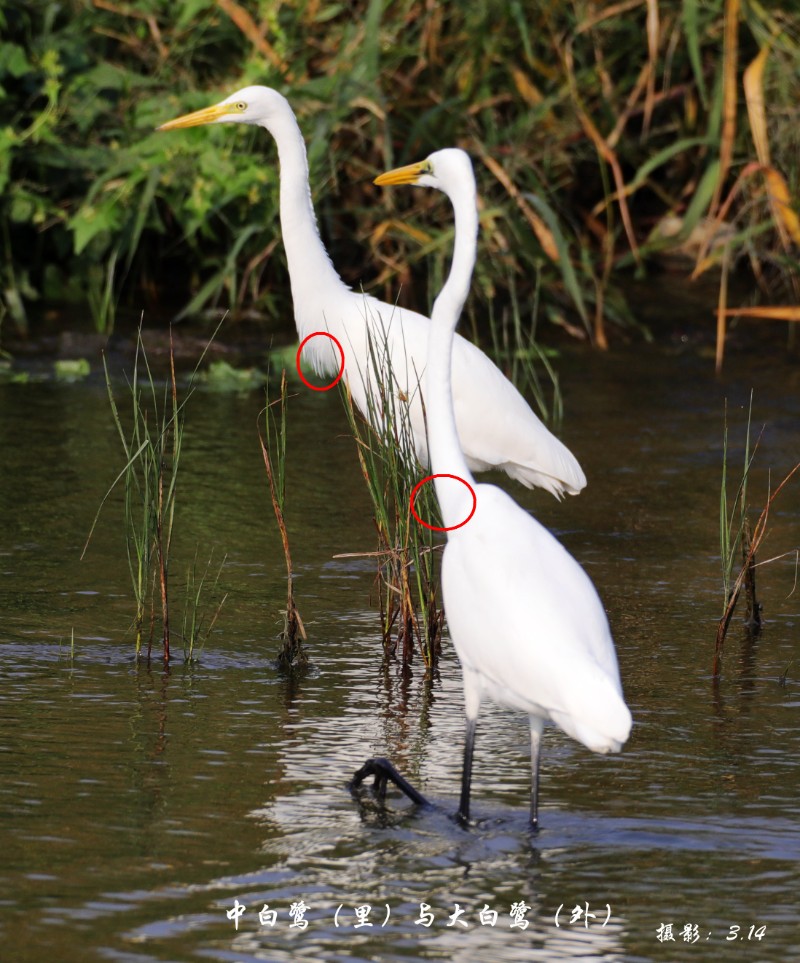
<point>383,771</point>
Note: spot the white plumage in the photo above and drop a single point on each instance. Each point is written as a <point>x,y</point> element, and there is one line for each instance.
<point>496,426</point>
<point>525,619</point>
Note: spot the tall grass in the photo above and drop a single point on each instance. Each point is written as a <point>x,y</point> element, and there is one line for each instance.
<point>410,610</point>
<point>733,513</point>
<point>741,542</point>
<point>519,354</point>
<point>202,606</point>
<point>273,450</point>
<point>151,435</point>
<point>594,124</point>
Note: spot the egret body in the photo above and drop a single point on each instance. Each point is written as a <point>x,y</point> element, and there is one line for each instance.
<point>496,426</point>
<point>526,621</point>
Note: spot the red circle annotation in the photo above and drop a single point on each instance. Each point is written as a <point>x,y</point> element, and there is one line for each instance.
<point>443,528</point>
<point>303,378</point>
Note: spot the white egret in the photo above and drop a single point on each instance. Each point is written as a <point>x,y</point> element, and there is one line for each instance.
<point>496,426</point>
<point>525,619</point>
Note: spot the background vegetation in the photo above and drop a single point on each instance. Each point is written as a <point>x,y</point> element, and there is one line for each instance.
<point>603,135</point>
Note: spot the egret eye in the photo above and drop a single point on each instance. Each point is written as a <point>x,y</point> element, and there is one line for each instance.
<point>241,105</point>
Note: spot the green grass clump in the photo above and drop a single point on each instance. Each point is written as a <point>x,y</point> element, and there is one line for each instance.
<point>407,578</point>
<point>151,435</point>
<point>741,542</point>
<point>273,449</point>
<point>603,136</point>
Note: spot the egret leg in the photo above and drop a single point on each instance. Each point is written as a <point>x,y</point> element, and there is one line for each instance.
<point>383,771</point>
<point>466,773</point>
<point>536,745</point>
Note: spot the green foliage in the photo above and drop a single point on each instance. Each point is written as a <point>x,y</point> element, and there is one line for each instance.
<point>223,377</point>
<point>69,369</point>
<point>202,606</point>
<point>599,135</point>
<point>733,515</point>
<point>273,449</point>
<point>407,582</point>
<point>151,436</point>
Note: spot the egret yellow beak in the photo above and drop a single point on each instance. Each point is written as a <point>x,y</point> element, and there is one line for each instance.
<point>208,115</point>
<point>403,175</point>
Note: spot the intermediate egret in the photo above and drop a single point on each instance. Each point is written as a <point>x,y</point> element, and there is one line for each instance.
<point>526,622</point>
<point>496,426</point>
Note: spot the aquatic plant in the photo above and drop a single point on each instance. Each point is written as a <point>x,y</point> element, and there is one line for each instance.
<point>503,572</point>
<point>273,450</point>
<point>594,126</point>
<point>410,611</point>
<point>734,530</point>
<point>152,445</point>
<point>201,607</point>
<point>741,539</point>
<point>152,450</point>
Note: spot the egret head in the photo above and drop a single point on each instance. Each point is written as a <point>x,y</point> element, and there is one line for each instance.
<point>445,170</point>
<point>250,105</point>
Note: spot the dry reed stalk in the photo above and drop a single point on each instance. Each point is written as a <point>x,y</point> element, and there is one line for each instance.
<point>785,312</point>
<point>784,217</point>
<point>543,234</point>
<point>758,535</point>
<point>722,304</point>
<point>653,30</point>
<point>255,34</point>
<point>753,612</point>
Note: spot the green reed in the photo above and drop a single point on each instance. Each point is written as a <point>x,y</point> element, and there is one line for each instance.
<point>273,450</point>
<point>601,121</point>
<point>733,514</point>
<point>517,352</point>
<point>151,435</point>
<point>739,538</point>
<point>410,611</point>
<point>202,606</point>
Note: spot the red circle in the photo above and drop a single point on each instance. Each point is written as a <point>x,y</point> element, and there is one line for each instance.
<point>443,528</point>
<point>303,378</point>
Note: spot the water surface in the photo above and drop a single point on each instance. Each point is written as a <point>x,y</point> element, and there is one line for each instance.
<point>138,805</point>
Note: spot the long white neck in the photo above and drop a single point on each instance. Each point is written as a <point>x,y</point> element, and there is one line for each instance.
<point>445,449</point>
<point>311,271</point>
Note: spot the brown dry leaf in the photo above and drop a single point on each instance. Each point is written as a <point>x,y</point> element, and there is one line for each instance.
<point>249,28</point>
<point>613,10</point>
<point>717,222</point>
<point>722,311</point>
<point>786,220</point>
<point>781,203</point>
<point>365,103</point>
<point>784,312</point>
<point>730,54</point>
<point>653,30</point>
<point>382,229</point>
<point>540,229</point>
<point>703,265</point>
<point>611,158</point>
<point>753,83</point>
<point>526,88</point>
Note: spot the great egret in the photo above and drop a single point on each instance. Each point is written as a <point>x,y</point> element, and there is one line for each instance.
<point>526,622</point>
<point>496,426</point>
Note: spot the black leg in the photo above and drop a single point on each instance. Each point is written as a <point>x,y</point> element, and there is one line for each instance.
<point>536,745</point>
<point>466,773</point>
<point>383,771</point>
